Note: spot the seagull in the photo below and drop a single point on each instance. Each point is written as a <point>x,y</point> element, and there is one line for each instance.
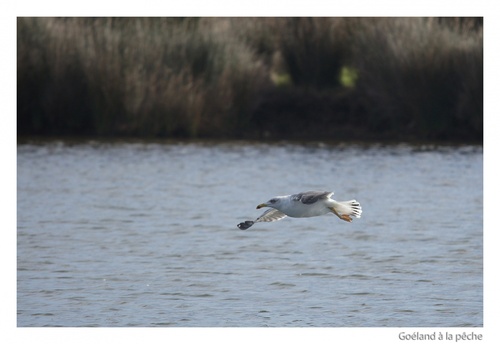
<point>305,204</point>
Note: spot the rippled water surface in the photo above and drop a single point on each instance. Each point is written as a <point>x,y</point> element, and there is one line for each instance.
<point>144,234</point>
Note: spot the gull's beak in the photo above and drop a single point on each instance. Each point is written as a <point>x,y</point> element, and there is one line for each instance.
<point>261,205</point>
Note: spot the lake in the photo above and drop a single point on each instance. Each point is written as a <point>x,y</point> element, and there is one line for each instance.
<point>133,233</point>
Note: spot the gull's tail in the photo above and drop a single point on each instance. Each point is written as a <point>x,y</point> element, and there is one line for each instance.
<point>344,210</point>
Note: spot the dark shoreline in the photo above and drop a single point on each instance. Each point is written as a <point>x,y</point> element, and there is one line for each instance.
<point>85,139</point>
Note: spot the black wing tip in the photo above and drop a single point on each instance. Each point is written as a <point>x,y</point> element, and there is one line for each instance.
<point>245,225</point>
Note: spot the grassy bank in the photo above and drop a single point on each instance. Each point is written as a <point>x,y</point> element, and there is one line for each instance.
<point>332,78</point>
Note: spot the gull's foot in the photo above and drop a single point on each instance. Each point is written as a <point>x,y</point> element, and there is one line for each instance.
<point>346,218</point>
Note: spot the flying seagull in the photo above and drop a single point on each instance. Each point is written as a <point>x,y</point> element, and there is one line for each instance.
<point>305,204</point>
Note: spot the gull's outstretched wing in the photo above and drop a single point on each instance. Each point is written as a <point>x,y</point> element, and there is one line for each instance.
<point>311,197</point>
<point>268,216</point>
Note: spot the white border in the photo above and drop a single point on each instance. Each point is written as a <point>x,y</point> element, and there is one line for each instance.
<point>237,8</point>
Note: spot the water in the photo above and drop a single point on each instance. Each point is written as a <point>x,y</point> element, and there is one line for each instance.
<point>144,234</point>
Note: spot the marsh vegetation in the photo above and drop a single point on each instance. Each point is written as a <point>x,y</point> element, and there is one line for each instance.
<point>328,78</point>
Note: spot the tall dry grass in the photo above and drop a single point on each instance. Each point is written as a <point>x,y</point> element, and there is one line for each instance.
<point>138,76</point>
<point>422,77</point>
<point>234,77</point>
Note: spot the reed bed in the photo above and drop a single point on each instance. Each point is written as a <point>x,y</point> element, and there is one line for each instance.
<point>329,78</point>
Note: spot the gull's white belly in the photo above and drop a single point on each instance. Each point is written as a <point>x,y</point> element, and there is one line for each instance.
<point>298,209</point>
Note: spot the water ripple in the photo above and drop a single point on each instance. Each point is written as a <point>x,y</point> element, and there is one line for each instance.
<point>144,234</point>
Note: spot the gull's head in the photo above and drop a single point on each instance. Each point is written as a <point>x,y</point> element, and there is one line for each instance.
<point>273,203</point>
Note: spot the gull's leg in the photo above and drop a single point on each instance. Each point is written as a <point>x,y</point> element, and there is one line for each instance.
<point>342,217</point>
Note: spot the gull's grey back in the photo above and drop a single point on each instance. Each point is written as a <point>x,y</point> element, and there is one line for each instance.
<point>310,197</point>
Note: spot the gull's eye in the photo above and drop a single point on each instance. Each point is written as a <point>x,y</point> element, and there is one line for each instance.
<point>274,200</point>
